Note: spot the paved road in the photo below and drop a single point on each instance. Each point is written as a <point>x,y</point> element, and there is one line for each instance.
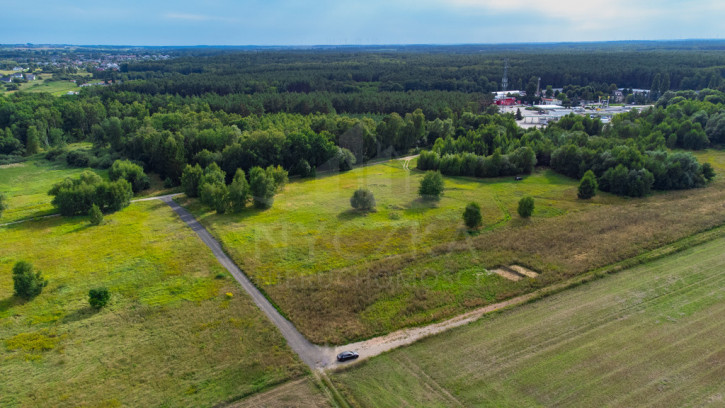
<point>312,355</point>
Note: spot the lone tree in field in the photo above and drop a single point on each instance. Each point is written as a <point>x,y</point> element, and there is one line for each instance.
<point>519,116</point>
<point>431,187</point>
<point>588,186</point>
<point>526,207</point>
<point>26,282</point>
<point>362,199</point>
<point>96,215</point>
<point>98,297</point>
<point>472,216</point>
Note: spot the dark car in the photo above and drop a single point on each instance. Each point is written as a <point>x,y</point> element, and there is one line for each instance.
<point>347,355</point>
<point>518,178</point>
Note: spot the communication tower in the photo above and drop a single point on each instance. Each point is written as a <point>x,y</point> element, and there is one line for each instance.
<point>505,79</point>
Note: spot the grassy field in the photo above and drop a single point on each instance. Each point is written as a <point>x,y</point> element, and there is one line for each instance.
<point>342,276</point>
<point>26,185</point>
<point>43,83</point>
<point>178,330</point>
<point>650,336</point>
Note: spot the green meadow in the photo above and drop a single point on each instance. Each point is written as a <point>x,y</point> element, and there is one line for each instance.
<point>26,187</point>
<point>650,336</point>
<point>340,275</point>
<point>178,330</point>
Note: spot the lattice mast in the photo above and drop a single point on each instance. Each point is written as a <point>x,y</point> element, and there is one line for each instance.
<point>505,79</point>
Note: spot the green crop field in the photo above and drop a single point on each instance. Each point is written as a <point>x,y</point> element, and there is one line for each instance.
<point>650,336</point>
<point>340,275</point>
<point>26,186</point>
<point>178,330</point>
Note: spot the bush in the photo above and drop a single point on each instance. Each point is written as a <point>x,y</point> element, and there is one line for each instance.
<point>587,186</point>
<point>26,282</point>
<point>472,216</point>
<point>131,172</point>
<point>78,158</point>
<point>363,200</point>
<point>428,161</point>
<point>707,172</point>
<point>98,297</point>
<point>96,215</point>
<point>431,187</point>
<point>279,175</point>
<point>303,169</point>
<point>526,207</point>
<point>345,159</point>
<point>3,204</point>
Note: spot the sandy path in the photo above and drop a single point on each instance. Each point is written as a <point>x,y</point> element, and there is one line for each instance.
<point>377,345</point>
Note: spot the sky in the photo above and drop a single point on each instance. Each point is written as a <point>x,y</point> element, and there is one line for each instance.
<point>335,22</point>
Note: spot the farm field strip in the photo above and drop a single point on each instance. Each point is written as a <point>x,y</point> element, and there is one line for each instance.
<point>647,336</point>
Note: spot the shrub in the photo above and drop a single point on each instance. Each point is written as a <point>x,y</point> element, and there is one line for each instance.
<point>98,297</point>
<point>131,172</point>
<point>78,158</point>
<point>526,207</point>
<point>587,186</point>
<point>3,204</point>
<point>96,215</point>
<point>707,172</point>
<point>428,161</point>
<point>431,187</point>
<point>472,216</point>
<point>279,175</point>
<point>26,282</point>
<point>363,200</point>
<point>303,169</point>
<point>345,159</point>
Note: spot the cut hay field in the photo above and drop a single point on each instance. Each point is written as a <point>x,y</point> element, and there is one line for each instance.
<point>178,330</point>
<point>342,276</point>
<point>26,186</point>
<point>650,336</point>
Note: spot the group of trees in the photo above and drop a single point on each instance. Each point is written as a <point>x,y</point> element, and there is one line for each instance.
<point>520,161</point>
<point>77,196</point>
<point>210,186</point>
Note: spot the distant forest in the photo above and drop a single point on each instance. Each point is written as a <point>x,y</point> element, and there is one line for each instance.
<point>327,108</point>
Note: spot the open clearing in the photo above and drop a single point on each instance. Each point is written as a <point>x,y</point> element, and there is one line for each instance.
<point>26,186</point>
<point>171,336</point>
<point>342,276</point>
<point>648,336</point>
